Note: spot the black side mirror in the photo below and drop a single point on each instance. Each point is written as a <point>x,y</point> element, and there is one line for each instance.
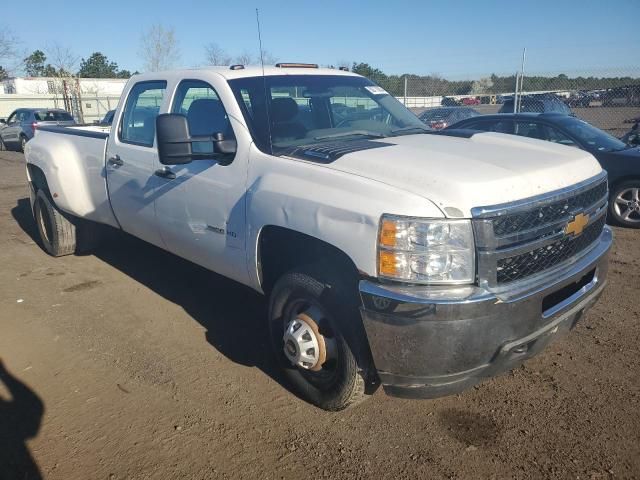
<point>175,144</point>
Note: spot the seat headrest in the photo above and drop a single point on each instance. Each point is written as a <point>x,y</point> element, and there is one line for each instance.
<point>283,109</point>
<point>206,116</point>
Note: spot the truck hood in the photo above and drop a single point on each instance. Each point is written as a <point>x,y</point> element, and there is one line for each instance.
<point>458,174</point>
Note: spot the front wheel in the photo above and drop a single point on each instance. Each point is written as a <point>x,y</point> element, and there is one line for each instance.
<point>624,205</point>
<point>23,143</point>
<point>309,318</point>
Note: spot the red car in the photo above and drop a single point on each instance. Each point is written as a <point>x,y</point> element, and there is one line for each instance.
<point>471,101</point>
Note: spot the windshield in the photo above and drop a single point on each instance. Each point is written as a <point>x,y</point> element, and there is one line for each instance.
<point>592,137</point>
<point>311,109</point>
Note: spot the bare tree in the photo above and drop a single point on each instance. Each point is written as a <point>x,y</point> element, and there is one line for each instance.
<point>269,58</point>
<point>9,53</point>
<point>215,55</point>
<point>63,62</point>
<point>245,58</point>
<point>159,48</point>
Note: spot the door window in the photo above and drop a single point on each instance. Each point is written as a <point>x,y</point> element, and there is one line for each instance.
<point>556,136</point>
<point>12,118</point>
<point>138,125</point>
<point>530,129</point>
<point>499,126</point>
<point>205,113</point>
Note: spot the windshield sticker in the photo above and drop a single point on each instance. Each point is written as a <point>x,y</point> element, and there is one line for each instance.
<point>375,90</point>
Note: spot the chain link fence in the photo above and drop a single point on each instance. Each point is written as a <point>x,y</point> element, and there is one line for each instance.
<point>609,100</point>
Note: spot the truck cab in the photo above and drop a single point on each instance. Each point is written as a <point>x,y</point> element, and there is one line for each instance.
<point>391,255</point>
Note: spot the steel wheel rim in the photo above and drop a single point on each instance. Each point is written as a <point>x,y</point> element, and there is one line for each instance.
<point>626,205</point>
<point>325,373</point>
<point>45,221</point>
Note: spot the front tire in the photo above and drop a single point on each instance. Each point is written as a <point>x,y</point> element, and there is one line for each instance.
<point>311,318</point>
<point>23,143</point>
<point>624,204</point>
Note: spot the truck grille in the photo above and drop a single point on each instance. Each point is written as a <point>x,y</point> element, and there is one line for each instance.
<point>517,241</point>
<point>521,266</point>
<point>518,222</point>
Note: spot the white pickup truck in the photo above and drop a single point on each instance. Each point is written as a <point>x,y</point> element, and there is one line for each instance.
<point>392,255</point>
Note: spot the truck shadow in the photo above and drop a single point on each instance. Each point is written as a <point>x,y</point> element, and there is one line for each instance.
<point>233,315</point>
<point>20,419</point>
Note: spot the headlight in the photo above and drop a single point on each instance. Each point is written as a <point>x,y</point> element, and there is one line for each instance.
<point>426,251</point>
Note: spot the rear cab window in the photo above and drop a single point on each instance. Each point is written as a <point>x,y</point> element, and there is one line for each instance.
<point>138,123</point>
<point>53,116</point>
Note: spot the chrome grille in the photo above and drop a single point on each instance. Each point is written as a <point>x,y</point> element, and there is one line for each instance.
<point>519,240</point>
<point>517,267</point>
<point>517,222</point>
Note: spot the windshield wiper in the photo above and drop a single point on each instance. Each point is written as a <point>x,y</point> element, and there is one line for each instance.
<point>413,128</point>
<point>366,133</point>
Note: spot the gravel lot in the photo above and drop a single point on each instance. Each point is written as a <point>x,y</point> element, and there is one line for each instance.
<point>137,364</point>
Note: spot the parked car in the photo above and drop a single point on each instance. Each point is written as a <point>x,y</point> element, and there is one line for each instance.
<point>470,101</point>
<point>449,102</point>
<point>21,124</point>
<point>440,117</point>
<point>620,160</point>
<point>391,254</point>
<point>542,103</point>
<point>579,99</point>
<point>107,120</point>
<point>621,96</point>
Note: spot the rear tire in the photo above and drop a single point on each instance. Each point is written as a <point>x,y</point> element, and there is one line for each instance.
<point>57,233</point>
<point>337,381</point>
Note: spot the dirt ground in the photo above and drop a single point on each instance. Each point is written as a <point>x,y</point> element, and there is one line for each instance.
<point>132,363</point>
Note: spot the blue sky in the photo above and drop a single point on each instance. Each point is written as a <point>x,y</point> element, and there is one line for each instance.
<point>455,39</point>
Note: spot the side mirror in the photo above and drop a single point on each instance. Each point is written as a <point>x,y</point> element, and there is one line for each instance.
<point>175,144</point>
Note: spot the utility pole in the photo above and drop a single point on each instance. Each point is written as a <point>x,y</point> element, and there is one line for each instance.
<point>524,56</point>
<point>405,90</point>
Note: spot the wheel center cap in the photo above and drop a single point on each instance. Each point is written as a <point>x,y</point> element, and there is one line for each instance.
<point>304,346</point>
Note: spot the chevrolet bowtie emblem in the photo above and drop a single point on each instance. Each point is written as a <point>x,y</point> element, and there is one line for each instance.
<point>576,226</point>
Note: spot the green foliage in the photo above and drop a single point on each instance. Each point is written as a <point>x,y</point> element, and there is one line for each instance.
<point>367,70</point>
<point>34,64</point>
<point>435,85</point>
<point>98,66</point>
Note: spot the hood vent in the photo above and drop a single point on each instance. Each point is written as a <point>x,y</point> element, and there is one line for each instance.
<point>329,151</point>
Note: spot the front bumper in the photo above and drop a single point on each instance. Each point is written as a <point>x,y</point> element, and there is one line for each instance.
<point>429,342</point>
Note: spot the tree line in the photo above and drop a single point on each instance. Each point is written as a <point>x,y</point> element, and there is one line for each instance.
<point>435,85</point>
<point>159,49</point>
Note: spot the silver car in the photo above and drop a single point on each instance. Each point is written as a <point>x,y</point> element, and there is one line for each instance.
<point>19,128</point>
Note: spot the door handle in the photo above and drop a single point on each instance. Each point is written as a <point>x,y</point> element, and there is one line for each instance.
<point>165,173</point>
<point>116,161</point>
